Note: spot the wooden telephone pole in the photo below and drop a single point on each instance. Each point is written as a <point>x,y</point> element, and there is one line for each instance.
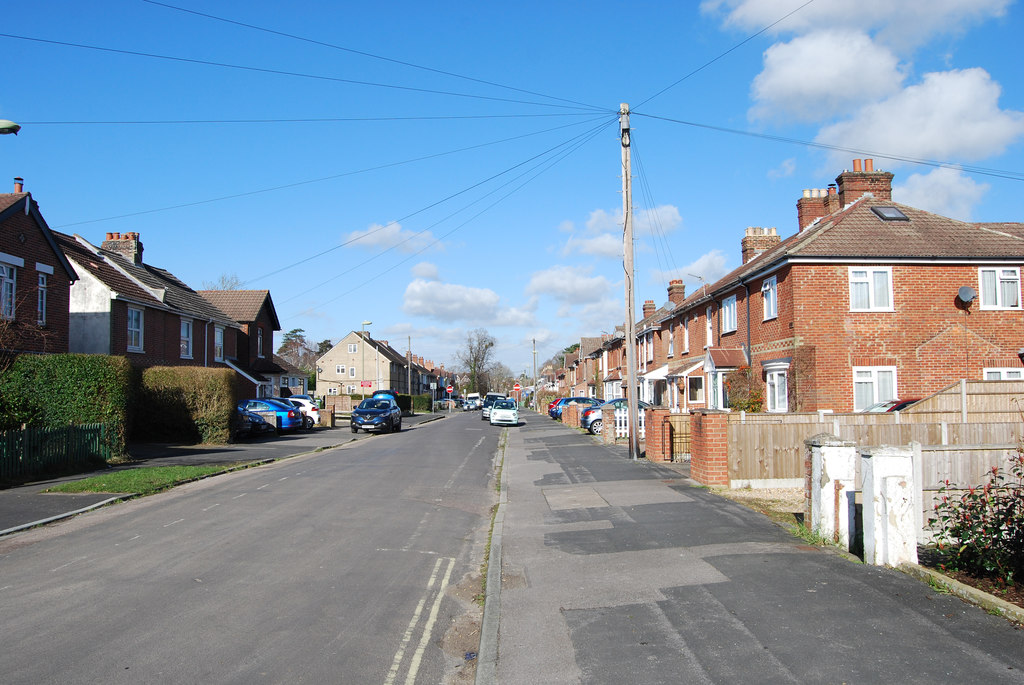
<point>627,263</point>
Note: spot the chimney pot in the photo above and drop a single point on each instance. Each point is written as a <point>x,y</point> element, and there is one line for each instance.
<point>869,165</point>
<point>19,184</point>
<point>856,165</point>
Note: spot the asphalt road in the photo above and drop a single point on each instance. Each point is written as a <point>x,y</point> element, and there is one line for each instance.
<point>339,566</point>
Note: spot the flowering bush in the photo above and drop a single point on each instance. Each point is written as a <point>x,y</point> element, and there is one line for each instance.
<point>981,529</point>
<point>744,390</point>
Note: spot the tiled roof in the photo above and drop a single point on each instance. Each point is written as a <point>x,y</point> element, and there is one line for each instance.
<point>589,346</point>
<point>727,358</point>
<point>287,366</point>
<point>856,232</point>
<point>142,283</point>
<point>8,199</point>
<point>242,305</point>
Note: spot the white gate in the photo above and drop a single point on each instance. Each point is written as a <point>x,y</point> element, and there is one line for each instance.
<point>622,423</point>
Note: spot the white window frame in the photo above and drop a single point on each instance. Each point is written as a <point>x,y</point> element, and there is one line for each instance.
<point>41,300</point>
<point>351,372</point>
<point>719,394</point>
<point>8,290</point>
<point>218,343</point>
<point>351,390</point>
<point>339,370</point>
<point>1003,373</point>
<point>686,334</point>
<point>709,333</point>
<point>870,374</point>
<point>332,391</point>
<point>695,389</point>
<point>770,298</point>
<point>353,348</point>
<point>729,314</point>
<point>136,329</point>
<point>999,275</point>
<point>671,339</point>
<point>874,294</point>
<point>187,333</point>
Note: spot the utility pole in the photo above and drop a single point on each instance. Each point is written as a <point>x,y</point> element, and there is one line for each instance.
<point>535,388</point>
<point>408,368</point>
<point>627,263</point>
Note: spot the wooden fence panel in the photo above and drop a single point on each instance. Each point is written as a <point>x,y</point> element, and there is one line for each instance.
<point>33,450</point>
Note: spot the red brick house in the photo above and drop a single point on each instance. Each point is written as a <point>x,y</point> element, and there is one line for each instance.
<point>35,279</point>
<point>122,306</point>
<point>870,300</point>
<point>254,339</point>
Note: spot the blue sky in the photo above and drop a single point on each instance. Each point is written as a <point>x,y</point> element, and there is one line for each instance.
<point>442,168</point>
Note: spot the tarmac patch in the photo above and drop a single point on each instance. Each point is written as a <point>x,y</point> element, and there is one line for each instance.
<point>574,498</point>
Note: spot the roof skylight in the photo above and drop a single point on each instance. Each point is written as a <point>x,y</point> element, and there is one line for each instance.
<point>889,214</point>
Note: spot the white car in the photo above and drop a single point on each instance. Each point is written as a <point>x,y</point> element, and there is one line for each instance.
<point>504,412</point>
<point>310,412</point>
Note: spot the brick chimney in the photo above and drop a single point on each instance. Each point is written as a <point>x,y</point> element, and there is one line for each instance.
<point>857,183</point>
<point>676,291</point>
<point>127,245</point>
<point>757,241</point>
<point>19,185</point>
<point>648,308</point>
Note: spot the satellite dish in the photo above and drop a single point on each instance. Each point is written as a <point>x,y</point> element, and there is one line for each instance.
<point>966,294</point>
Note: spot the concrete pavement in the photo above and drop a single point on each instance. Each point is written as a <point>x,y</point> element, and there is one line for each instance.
<point>621,572</point>
<point>27,505</point>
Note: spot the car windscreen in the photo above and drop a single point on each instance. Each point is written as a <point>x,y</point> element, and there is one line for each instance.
<point>374,404</point>
<point>504,404</point>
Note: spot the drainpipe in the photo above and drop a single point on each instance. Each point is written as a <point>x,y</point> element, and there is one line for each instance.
<point>206,343</point>
<point>746,290</point>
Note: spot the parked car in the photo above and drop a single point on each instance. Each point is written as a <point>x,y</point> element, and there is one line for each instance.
<point>555,412</point>
<point>309,398</point>
<point>889,405</point>
<point>472,401</point>
<point>310,411</point>
<point>591,419</point>
<point>489,401</point>
<point>377,413</point>
<point>504,412</point>
<point>289,416</point>
<point>247,424</point>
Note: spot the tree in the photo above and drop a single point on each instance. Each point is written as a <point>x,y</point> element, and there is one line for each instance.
<point>323,347</point>
<point>296,350</point>
<point>225,282</point>
<point>476,359</point>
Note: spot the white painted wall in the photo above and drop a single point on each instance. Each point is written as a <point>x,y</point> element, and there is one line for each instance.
<point>89,316</point>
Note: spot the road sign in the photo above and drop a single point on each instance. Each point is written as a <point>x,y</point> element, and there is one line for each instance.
<point>449,389</point>
<point>366,384</point>
<point>517,387</point>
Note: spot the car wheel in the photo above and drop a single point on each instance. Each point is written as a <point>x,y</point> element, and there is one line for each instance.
<point>595,427</point>
<point>307,422</point>
<point>354,429</point>
<point>398,426</point>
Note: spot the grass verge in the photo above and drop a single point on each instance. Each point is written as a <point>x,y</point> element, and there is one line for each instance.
<point>141,481</point>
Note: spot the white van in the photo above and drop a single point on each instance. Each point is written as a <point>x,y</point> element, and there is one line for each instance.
<point>472,401</point>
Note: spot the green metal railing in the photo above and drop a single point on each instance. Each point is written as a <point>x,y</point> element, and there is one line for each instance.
<point>34,450</point>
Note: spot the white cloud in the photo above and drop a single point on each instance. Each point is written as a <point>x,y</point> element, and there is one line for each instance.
<point>452,302</point>
<point>603,245</point>
<point>786,169</point>
<point>950,115</point>
<point>899,23</point>
<point>601,221</point>
<point>659,220</point>
<point>790,85</point>
<point>710,267</point>
<point>948,192</point>
<point>425,271</point>
<point>566,226</point>
<point>392,235</point>
<point>568,284</point>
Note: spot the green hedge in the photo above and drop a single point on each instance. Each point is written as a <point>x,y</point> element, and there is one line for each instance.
<point>422,403</point>
<point>61,389</point>
<point>185,404</point>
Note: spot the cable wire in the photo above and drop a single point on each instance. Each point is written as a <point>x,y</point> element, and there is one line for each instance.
<point>368,54</point>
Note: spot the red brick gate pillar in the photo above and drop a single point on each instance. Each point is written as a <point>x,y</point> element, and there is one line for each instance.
<point>658,434</point>
<point>709,447</point>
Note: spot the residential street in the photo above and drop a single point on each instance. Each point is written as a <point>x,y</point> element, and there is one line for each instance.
<point>339,566</point>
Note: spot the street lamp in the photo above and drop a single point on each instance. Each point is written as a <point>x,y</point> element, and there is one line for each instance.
<point>8,126</point>
<point>362,364</point>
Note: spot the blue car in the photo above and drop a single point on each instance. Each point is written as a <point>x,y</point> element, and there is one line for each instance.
<point>289,417</point>
<point>555,411</point>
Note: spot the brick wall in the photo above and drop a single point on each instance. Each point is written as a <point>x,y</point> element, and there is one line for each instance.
<point>21,236</point>
<point>571,415</point>
<point>658,434</point>
<point>709,447</point>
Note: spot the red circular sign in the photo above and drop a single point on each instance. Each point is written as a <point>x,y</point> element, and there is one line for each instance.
<point>449,388</point>
<point>517,387</point>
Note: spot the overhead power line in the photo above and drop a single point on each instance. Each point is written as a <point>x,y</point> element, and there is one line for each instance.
<point>334,46</point>
<point>307,120</point>
<point>332,177</point>
<point>282,72</point>
<point>983,171</point>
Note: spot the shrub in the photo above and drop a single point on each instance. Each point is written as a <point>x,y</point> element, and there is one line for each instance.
<point>185,404</point>
<point>981,530</point>
<point>66,389</point>
<point>421,403</point>
<point>745,391</point>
